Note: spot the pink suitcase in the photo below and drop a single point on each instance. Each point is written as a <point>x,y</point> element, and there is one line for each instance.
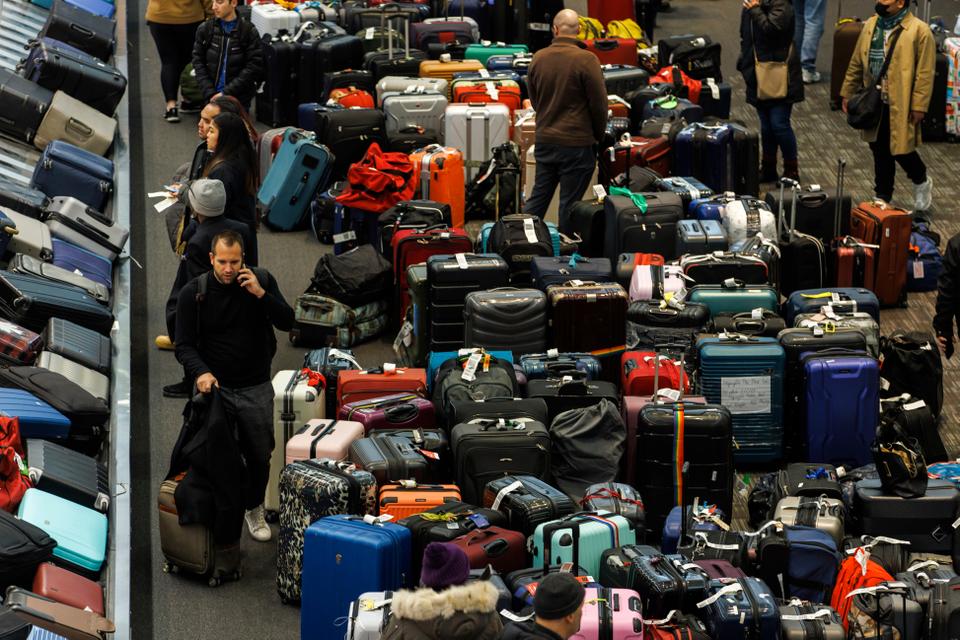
<point>618,610</point>
<point>323,438</point>
<point>395,411</point>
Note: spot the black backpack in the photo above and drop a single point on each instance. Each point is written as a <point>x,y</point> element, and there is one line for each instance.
<point>495,191</point>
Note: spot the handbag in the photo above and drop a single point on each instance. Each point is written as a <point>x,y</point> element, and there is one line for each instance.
<point>899,460</point>
<point>773,78</point>
<point>865,107</point>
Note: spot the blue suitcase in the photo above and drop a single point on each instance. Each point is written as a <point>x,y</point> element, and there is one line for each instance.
<point>703,521</point>
<point>300,168</point>
<point>344,556</point>
<point>353,227</point>
<point>519,64</point>
<point>740,610</point>
<point>37,418</point>
<point>715,98</point>
<point>96,7</point>
<point>701,151</point>
<point>841,406</point>
<point>546,271</point>
<point>688,188</point>
<point>86,263</point>
<point>746,376</point>
<point>68,170</point>
<point>540,366</point>
<point>739,298</point>
<point>710,207</point>
<point>700,237</point>
<point>437,358</point>
<point>843,300</point>
<point>924,262</point>
<point>31,301</point>
<point>80,532</point>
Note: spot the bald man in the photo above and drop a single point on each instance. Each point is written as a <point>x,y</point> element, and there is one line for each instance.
<point>566,86</point>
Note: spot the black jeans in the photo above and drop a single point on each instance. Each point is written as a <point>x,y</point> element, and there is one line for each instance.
<point>885,163</point>
<point>175,47</point>
<point>570,167</point>
<point>251,408</point>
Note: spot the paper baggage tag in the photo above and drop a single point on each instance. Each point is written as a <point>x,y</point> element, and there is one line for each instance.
<point>600,192</point>
<point>346,236</point>
<point>510,615</point>
<point>405,337</point>
<point>918,269</point>
<point>164,204</point>
<point>756,314</point>
<point>470,369</point>
<point>553,353</point>
<point>370,33</point>
<point>462,260</point>
<point>513,486</point>
<point>530,231</point>
<point>913,406</point>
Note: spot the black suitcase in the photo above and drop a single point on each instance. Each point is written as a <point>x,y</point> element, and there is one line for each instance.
<point>526,502</point>
<point>810,479</point>
<point>912,364</point>
<point>944,610</point>
<point>68,474</point>
<point>815,211</point>
<point>391,61</point>
<point>651,328</point>
<point>348,133</point>
<point>745,163</point>
<point>662,126</point>
<point>496,408</point>
<point>627,230</point>
<point>890,613</point>
<point>318,56</point>
<point>586,220</point>
<point>621,79</point>
<point>923,577</point>
<point>926,523</point>
<point>83,346</point>
<point>768,324</point>
<point>575,392</point>
<point>717,268</point>
<point>21,199</point>
<point>390,459</point>
<point>933,128</point>
<point>84,77</point>
<point>433,441</point>
<point>697,56</point>
<point>276,105</point>
<point>22,106</point>
<point>801,621</point>
<point>22,548</point>
<point>31,302</point>
<point>356,17</point>
<point>81,29</point>
<point>518,238</point>
<point>664,582</point>
<point>617,498</point>
<point>449,283</point>
<point>409,214</point>
<point>445,523</point>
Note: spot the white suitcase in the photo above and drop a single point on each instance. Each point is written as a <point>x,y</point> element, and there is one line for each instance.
<point>476,130</point>
<point>84,227</point>
<point>272,19</point>
<point>742,220</point>
<point>294,404</point>
<point>400,84</point>
<point>32,238</point>
<point>369,615</point>
<point>416,110</point>
<point>826,514</point>
<point>93,381</point>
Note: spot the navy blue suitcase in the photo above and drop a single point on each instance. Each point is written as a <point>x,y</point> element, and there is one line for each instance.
<point>96,7</point>
<point>21,199</point>
<point>86,263</point>
<point>31,302</point>
<point>672,107</point>
<point>353,227</point>
<point>79,28</point>
<point>548,270</point>
<point>79,344</point>
<point>701,151</point>
<point>344,556</point>
<point>37,418</point>
<point>58,66</point>
<point>67,170</point>
<point>740,610</point>
<point>715,98</point>
<point>842,299</point>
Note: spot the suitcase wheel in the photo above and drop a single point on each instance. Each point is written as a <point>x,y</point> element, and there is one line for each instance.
<point>217,580</point>
<point>169,567</point>
<point>271,516</point>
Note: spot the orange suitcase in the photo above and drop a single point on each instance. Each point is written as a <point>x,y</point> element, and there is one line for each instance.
<point>439,174</point>
<point>445,70</point>
<point>363,385</point>
<point>503,91</point>
<point>890,229</point>
<point>409,498</point>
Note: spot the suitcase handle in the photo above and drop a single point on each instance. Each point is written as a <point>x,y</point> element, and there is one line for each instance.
<point>86,33</point>
<point>401,413</point>
<point>496,548</point>
<point>607,44</point>
<point>78,128</point>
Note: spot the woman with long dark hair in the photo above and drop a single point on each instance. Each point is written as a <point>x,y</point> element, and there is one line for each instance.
<point>233,161</point>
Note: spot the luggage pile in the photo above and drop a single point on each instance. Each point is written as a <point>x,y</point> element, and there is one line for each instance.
<point>59,241</point>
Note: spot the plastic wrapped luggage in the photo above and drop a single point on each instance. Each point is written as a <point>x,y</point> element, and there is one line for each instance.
<point>68,474</point>
<point>80,532</point>
<point>67,170</point>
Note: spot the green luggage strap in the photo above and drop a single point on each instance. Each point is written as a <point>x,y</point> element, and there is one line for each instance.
<point>666,102</point>
<point>638,200</point>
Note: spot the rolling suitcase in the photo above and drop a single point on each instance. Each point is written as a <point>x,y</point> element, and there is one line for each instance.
<point>662,582</point>
<point>22,263</point>
<point>24,547</point>
<point>526,502</point>
<point>391,459</point>
<point>572,391</point>
<point>618,498</point>
<point>74,122</point>
<point>557,270</point>
<point>845,37</point>
<point>410,497</point>
<point>689,189</point>
<point>62,67</point>
<point>591,535</point>
<point>756,323</point>
<point>395,411</point>
<point>446,70</point>
<point>512,408</point>
<point>57,619</point>
<point>477,130</point>
<point>354,385</point>
<point>628,152</point>
<point>368,616</point>
<point>68,474</point>
<point>445,523</point>
<point>410,214</point>
<point>384,62</point>
<point>450,280</point>
<point>441,178</point>
<point>700,237</point>
<point>629,229</point>
<point>923,578</point>
<point>309,491</point>
<point>627,264</point>
<point>80,532</point>
<point>64,586</point>
<point>23,104</point>
<point>840,300</point>
<point>32,238</point>
<point>413,246</point>
<point>31,302</point>
<point>37,418</point>
<point>484,51</point>
<point>71,220</point>
<point>890,229</point>
<point>276,105</point>
<point>623,78</point>
<point>616,610</point>
<point>826,514</point>
<point>477,90</point>
<point>432,444</point>
<point>323,51</point>
<point>82,262</point>
<point>22,199</point>
<point>506,320</point>
<point>273,19</point>
<point>414,111</point>
<point>82,345</point>
<point>94,382</point>
<point>346,133</point>
<point>67,170</point>
<point>735,297</point>
<point>800,621</point>
<point>613,50</point>
<point>300,168</point>
<point>697,56</point>
<point>925,522</point>
<point>18,345</point>
<point>588,317</point>
<point>757,614</point>
<point>365,557</point>
<point>185,547</point>
<point>404,84</point>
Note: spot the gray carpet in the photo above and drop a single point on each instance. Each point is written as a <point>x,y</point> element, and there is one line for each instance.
<point>175,607</point>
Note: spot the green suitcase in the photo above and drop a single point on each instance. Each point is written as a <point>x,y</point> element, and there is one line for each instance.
<point>580,539</point>
<point>739,298</point>
<point>482,52</point>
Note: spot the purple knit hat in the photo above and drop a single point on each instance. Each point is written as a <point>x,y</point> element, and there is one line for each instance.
<point>444,565</point>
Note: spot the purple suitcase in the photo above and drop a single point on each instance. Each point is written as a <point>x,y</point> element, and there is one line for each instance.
<point>86,263</point>
<point>396,411</point>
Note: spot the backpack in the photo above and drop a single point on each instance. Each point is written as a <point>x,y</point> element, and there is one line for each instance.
<point>496,189</point>
<point>590,29</point>
<point>924,260</point>
<point>493,378</point>
<point>853,575</point>
<point>263,277</point>
<point>628,29</point>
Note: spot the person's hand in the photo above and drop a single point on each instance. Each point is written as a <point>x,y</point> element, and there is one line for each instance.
<point>206,382</point>
<point>216,95</point>
<point>248,280</point>
<point>946,345</point>
<point>844,105</point>
<point>916,117</point>
<point>750,4</point>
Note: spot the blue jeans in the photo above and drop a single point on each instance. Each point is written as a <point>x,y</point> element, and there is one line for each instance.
<point>808,27</point>
<point>776,130</point>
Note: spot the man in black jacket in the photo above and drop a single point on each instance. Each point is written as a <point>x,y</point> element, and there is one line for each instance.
<point>558,608</point>
<point>225,339</point>
<point>227,55</point>
<point>948,297</point>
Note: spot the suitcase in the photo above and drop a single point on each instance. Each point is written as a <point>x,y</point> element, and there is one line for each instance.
<point>916,419</point>
<point>478,91</point>
<point>395,411</point>
<point>68,474</point>
<point>72,121</point>
<point>466,377</point>
<point>404,84</point>
<point>518,238</point>
<point>616,610</point>
<point>506,320</point>
<point>320,438</point>
<point>670,106</point>
<point>300,168</point>
<point>409,214</point>
<point>24,547</point>
<point>22,199</point>
<point>323,51</point>
<point>449,283</point>
<point>734,297</point>
<point>627,264</point>
<point>436,360</point>
<point>70,257</point>
<point>185,547</point>
<point>436,32</point>
<point>273,19</point>
<point>68,588</point>
<point>22,263</point>
<point>71,220</point>
<point>621,79</point>
<point>445,70</point>
<point>18,345</point>
<point>800,621</point>
<point>613,50</point>
<point>61,67</point>
<point>440,174</point>
<point>825,514</point>
<point>482,52</point>
<point>512,408</point>
<point>476,130</point>
<point>890,229</point>
<point>573,391</point>
<point>68,170</point>
<point>52,619</point>
<point>346,133</point>
<point>412,246</point>
<point>558,270</point>
<point>840,300</point>
<point>756,323</point>
<point>385,62</point>
<point>415,111</point>
<point>588,318</point>
<point>923,579</point>
<point>309,491</point>
<point>718,569</point>
<point>586,219</point>
<point>347,79</point>
<point>477,449</point>
<point>32,237</point>
<point>523,584</point>
<point>80,532</point>
<point>662,582</point>
<point>79,28</point>
<point>745,217</point>
<point>728,268</point>
<point>845,38</point>
<point>37,418</point>
<point>756,612</point>
<point>724,157</point>
<point>82,345</point>
<point>592,535</point>
<point>926,522</point>
<point>526,502</point>
<point>697,56</point>
<point>618,498</point>
<point>96,383</point>
<point>700,237</point>
<point>806,255</point>
<point>715,99</point>
<point>816,208</point>
<point>888,611</point>
<point>276,105</point>
<point>628,230</point>
<point>656,282</point>
<point>23,103</point>
<point>412,343</point>
<point>502,549</point>
<point>410,497</point>
<point>628,152</point>
<point>445,523</point>
<point>432,444</point>
<point>391,459</point>
<point>368,616</point>
<point>641,370</point>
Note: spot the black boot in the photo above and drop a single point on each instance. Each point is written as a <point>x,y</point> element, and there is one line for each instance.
<point>768,169</point>
<point>791,169</point>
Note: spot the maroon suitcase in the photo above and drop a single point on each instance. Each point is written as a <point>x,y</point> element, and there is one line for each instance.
<point>718,569</point>
<point>634,152</point>
<point>502,549</point>
<point>394,411</point>
<point>66,587</point>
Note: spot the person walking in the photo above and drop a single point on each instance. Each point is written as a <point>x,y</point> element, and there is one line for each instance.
<point>809,18</point>
<point>233,161</point>
<point>173,25</point>
<point>906,90</point>
<point>766,43</point>
<point>227,55</point>
<point>948,297</point>
<point>225,339</point>
<point>568,92</point>
<point>557,608</point>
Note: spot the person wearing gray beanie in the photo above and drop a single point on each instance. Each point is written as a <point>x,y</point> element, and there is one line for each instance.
<point>557,608</point>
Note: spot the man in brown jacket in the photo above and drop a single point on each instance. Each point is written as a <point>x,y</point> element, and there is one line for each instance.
<point>569,95</point>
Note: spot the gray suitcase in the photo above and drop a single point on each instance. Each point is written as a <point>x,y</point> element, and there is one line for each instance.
<point>825,514</point>
<point>84,227</point>
<point>506,319</point>
<point>22,263</point>
<point>72,121</point>
<point>803,620</point>
<point>476,130</point>
<point>73,207</point>
<point>399,84</point>
<point>857,320</point>
<point>32,238</point>
<point>415,111</point>
<point>369,615</point>
<point>96,383</point>
<point>79,344</point>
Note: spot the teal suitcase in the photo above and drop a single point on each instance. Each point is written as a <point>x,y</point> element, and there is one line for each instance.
<point>739,298</point>
<point>301,168</point>
<point>580,539</point>
<point>80,532</point>
<point>482,52</point>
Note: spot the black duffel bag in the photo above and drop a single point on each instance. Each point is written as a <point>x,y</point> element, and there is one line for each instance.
<point>355,278</point>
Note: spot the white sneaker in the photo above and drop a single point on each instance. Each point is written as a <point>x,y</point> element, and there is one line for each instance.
<point>923,195</point>
<point>810,77</point>
<point>257,525</point>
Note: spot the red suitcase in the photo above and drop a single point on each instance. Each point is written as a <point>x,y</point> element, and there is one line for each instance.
<point>719,569</point>
<point>639,370</point>
<point>395,411</point>
<point>607,10</point>
<point>413,246</point>
<point>889,228</point>
<point>502,549</point>
<point>354,386</point>
<point>635,152</point>
<point>614,50</point>
<point>855,263</point>
<point>18,345</point>
<point>68,588</point>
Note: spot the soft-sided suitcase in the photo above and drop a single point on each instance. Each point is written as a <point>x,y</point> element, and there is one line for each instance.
<point>591,535</point>
<point>70,120</point>
<point>476,130</point>
<point>629,229</point>
<point>934,587</point>
<point>526,501</point>
<point>355,385</point>
<point>82,345</point>
<point>696,55</point>
<point>845,38</point>
<point>18,345</point>
<point>551,270</point>
<point>86,263</point>
<point>572,391</point>
<point>24,547</point>
<point>23,199</point>
<point>703,518</point>
<point>756,323</point>
<point>80,532</point>
<point>32,238</point>
<point>613,611</point>
<point>740,610</point>
<point>23,103</point>
<point>22,263</point>
<point>95,382</point>
<point>67,170</point>
<point>537,366</point>
<point>57,619</point>
<point>410,497</point>
<point>344,556</point>
<point>37,418</point>
<point>68,474</point>
<point>62,67</point>
<point>890,229</point>
<point>502,549</point>
<point>184,546</point>
<point>506,320</point>
<point>71,220</point>
<point>410,214</point>
<point>394,411</point>
<point>621,79</point>
<point>68,588</point>
<point>311,490</point>
<point>925,522</point>
<point>840,300</point>
<point>300,168</point>
<point>641,370</point>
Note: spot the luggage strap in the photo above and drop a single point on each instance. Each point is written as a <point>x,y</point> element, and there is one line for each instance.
<point>614,530</point>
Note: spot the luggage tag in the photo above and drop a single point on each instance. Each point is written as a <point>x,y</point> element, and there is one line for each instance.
<point>470,368</point>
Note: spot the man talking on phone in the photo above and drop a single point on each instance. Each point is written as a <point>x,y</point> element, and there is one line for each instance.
<point>225,339</point>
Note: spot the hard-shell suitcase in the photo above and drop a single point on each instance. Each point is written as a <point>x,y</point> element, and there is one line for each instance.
<point>344,556</point>
<point>506,320</point>
<point>68,474</point>
<point>622,78</point>
<point>184,546</point>
<point>86,263</point>
<point>276,105</point>
<point>53,620</point>
<point>628,229</point>
<point>70,120</point>
<point>642,370</point>
<point>735,297</point>
<point>925,522</point>
<point>502,549</point>
<point>67,170</point>
<point>483,51</point>
<point>449,284</point>
<point>410,497</point>
<point>391,459</point>
<point>890,229</point>
<point>573,391</point>
<point>627,264</point>
<point>826,514</point>
<point>368,616</point>
<point>403,84</point>
<point>445,70</point>
<point>526,501</point>
<point>618,498</point>
<point>330,362</point>
<point>80,532</point>
<point>689,189</point>
<point>395,411</point>
<point>725,157</point>
<point>24,103</point>
<point>444,523</point>
<point>71,220</point>
<point>923,579</point>
<point>700,237</point>
<point>551,270</point>
<point>22,263</point>
<point>311,490</point>
<point>274,19</point>
<point>627,152</point>
<point>413,246</point>
<point>325,50</point>
<point>800,621</point>
<point>588,317</point>
<point>300,168</point>
<point>441,178</point>
<point>663,582</point>
<point>538,366</point>
<point>37,418</point>
<point>31,302</point>
<point>591,535</point>
<point>95,382</point>
<point>18,345</point>
<point>22,199</point>
<point>78,343</point>
<point>32,238</point>
<point>616,610</point>
<point>64,586</point>
<point>487,88</point>
<point>62,67</point>
<point>409,214</point>
<point>414,111</point>
<point>840,300</point>
<point>476,130</point>
<point>432,444</point>
<point>742,609</point>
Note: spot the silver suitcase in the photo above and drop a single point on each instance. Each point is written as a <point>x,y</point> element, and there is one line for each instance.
<point>272,18</point>
<point>825,514</point>
<point>400,84</point>
<point>73,121</point>
<point>369,615</point>
<point>857,320</point>
<point>96,383</point>
<point>32,238</point>
<point>476,130</point>
<point>415,111</point>
<point>22,263</point>
<point>85,227</point>
<point>506,319</point>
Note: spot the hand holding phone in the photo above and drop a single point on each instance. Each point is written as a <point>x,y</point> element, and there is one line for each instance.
<point>248,280</point>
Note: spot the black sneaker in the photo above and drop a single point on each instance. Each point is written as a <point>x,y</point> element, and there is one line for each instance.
<point>190,107</point>
<point>181,389</point>
<point>172,115</point>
